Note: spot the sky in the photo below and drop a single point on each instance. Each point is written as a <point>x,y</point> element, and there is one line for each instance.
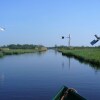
<point>43,22</point>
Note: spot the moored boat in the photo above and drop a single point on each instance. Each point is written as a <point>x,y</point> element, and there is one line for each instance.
<point>68,94</point>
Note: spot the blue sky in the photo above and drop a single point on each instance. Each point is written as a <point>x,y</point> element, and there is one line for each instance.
<point>45,21</point>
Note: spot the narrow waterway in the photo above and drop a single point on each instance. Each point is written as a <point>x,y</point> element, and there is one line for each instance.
<point>38,76</point>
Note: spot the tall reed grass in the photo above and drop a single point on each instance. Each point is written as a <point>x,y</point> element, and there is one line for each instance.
<point>91,55</point>
<point>20,51</point>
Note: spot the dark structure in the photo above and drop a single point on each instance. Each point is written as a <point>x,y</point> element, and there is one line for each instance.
<point>68,38</point>
<point>95,41</point>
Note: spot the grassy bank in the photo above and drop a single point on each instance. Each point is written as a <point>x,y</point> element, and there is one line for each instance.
<point>1,54</point>
<point>4,52</point>
<point>91,55</point>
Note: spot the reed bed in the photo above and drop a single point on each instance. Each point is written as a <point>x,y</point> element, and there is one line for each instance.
<point>91,55</point>
<point>20,51</point>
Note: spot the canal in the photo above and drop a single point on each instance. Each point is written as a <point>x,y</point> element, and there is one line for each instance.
<point>38,76</point>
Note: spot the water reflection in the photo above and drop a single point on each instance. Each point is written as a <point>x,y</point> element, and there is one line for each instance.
<point>63,63</point>
<point>56,52</point>
<point>40,75</point>
<point>93,65</point>
<point>69,62</point>
<point>2,78</point>
<point>40,53</point>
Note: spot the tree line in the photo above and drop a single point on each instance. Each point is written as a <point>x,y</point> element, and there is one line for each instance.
<point>22,46</point>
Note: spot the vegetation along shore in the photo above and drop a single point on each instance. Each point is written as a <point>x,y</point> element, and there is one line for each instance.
<point>20,49</point>
<point>84,54</point>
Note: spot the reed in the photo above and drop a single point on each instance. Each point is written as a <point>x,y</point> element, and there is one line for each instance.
<point>4,52</point>
<point>91,55</point>
<point>17,51</point>
<point>1,54</point>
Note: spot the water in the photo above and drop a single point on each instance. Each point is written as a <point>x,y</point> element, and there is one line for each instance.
<point>38,76</point>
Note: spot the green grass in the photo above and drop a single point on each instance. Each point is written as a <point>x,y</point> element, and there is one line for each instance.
<point>17,51</point>
<point>91,55</point>
<point>4,52</point>
<point>1,54</point>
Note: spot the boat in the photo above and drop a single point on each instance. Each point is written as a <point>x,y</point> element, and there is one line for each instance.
<point>72,95</point>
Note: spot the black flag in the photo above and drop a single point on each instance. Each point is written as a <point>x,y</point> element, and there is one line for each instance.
<point>62,37</point>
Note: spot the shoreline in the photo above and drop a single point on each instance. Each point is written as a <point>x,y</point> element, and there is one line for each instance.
<point>20,51</point>
<point>84,56</point>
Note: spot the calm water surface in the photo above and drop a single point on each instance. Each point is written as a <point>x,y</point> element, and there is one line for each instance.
<point>38,76</point>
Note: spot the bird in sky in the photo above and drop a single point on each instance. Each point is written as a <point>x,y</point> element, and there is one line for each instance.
<point>2,29</point>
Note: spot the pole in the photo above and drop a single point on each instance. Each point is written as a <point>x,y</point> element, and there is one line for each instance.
<point>69,40</point>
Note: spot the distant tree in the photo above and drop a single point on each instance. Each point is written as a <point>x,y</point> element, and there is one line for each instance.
<point>24,46</point>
